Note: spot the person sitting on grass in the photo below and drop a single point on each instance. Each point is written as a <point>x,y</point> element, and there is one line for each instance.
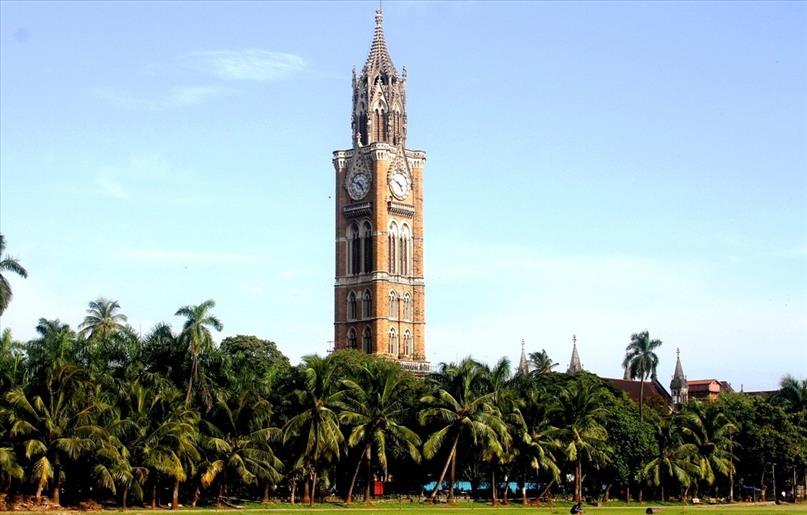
<point>577,508</point>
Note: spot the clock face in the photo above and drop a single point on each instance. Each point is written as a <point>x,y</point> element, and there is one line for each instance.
<point>400,184</point>
<point>358,185</point>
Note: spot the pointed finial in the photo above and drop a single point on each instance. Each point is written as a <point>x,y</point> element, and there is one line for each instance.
<point>378,16</point>
<point>522,344</point>
<point>574,338</point>
<point>677,352</point>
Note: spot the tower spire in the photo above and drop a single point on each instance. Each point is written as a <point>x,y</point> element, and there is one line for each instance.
<point>679,388</point>
<point>574,364</point>
<point>523,366</point>
<point>379,96</point>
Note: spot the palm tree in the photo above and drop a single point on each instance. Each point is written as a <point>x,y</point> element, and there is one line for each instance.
<point>240,446</point>
<point>675,458</point>
<point>56,427</point>
<point>8,264</point>
<point>317,423</point>
<point>458,406</point>
<point>641,361</point>
<point>496,381</point>
<point>196,334</point>
<point>793,394</point>
<point>541,362</point>
<point>583,434</point>
<point>102,320</point>
<point>709,431</point>
<point>375,408</point>
<point>540,440</point>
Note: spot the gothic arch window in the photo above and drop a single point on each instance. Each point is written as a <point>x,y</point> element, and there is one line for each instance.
<point>407,343</point>
<point>353,249</point>
<point>351,338</point>
<point>392,240</point>
<point>367,247</point>
<point>407,306</point>
<point>367,305</point>
<point>393,305</point>
<point>392,347</point>
<point>380,125</point>
<point>367,341</point>
<point>351,306</point>
<point>406,249</point>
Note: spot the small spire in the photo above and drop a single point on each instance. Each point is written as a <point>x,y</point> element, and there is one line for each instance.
<point>523,366</point>
<point>574,364</point>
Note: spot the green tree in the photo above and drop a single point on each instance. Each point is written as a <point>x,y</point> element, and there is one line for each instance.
<point>675,458</point>
<point>55,427</point>
<point>583,433</point>
<point>709,431</point>
<point>792,394</point>
<point>102,320</point>
<point>317,419</point>
<point>196,335</point>
<point>375,409</point>
<point>541,363</point>
<point>459,409</point>
<point>8,264</point>
<point>641,361</point>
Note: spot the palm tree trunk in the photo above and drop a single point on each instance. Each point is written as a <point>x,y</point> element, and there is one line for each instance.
<point>506,497</point>
<point>175,495</point>
<point>453,476</point>
<point>57,480</point>
<point>542,494</point>
<point>578,482</point>
<point>197,493</point>
<point>493,485</point>
<point>292,490</point>
<point>39,486</point>
<point>368,493</point>
<point>349,497</point>
<point>313,492</point>
<point>220,494</point>
<point>306,491</point>
<point>154,494</point>
<point>443,473</point>
<point>190,381</point>
<point>662,491</point>
<point>265,499</point>
<point>124,496</point>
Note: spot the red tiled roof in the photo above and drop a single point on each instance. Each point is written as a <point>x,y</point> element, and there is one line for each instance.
<point>653,391</point>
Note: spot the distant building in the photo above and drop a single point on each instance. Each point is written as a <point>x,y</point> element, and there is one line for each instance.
<point>523,365</point>
<point>654,392</point>
<point>707,389</point>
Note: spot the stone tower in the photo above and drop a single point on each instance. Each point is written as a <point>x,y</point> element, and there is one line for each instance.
<point>679,389</point>
<point>379,301</point>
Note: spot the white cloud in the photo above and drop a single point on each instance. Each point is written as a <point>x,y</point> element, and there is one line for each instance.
<point>109,187</point>
<point>248,64</point>
<point>183,257</point>
<point>177,97</point>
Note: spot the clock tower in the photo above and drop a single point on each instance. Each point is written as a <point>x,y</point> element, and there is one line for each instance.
<point>379,292</point>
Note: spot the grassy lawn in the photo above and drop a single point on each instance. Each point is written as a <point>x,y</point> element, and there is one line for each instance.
<point>465,507</point>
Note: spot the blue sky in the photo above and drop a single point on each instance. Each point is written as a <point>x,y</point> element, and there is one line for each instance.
<point>593,168</point>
